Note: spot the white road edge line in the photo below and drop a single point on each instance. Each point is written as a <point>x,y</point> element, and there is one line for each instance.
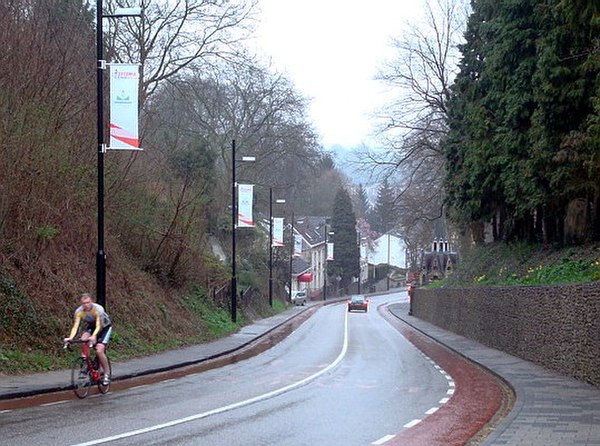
<point>54,403</point>
<point>412,423</point>
<point>231,406</point>
<point>383,439</point>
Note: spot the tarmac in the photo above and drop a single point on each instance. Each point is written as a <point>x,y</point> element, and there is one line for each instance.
<point>549,409</point>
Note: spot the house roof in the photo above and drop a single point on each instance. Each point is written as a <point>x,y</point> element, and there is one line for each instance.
<point>312,229</point>
<point>440,230</point>
<point>299,266</point>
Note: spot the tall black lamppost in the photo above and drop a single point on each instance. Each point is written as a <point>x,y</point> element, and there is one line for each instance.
<point>101,253</point>
<point>234,215</point>
<point>389,269</point>
<point>327,234</point>
<point>292,247</point>
<point>279,201</point>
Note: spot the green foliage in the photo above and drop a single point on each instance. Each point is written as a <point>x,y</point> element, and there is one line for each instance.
<point>14,361</point>
<point>525,264</point>
<point>46,232</point>
<point>362,207</point>
<point>344,238</point>
<point>218,320</point>
<point>18,317</point>
<point>511,153</point>
<point>386,213</point>
<point>279,305</point>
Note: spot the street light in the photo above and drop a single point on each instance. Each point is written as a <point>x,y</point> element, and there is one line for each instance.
<point>278,201</point>
<point>101,253</point>
<point>233,225</point>
<point>327,233</point>
<point>388,263</point>
<point>292,248</point>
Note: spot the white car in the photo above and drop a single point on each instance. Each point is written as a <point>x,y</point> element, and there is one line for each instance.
<point>299,298</point>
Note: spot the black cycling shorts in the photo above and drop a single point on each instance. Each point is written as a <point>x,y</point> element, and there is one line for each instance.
<point>104,334</point>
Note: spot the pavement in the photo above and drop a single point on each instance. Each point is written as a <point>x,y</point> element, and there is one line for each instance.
<point>549,409</point>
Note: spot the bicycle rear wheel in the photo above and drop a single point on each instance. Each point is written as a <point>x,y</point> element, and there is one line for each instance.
<point>80,378</point>
<point>101,387</point>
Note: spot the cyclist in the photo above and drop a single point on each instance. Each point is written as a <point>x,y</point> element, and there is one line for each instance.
<point>98,329</point>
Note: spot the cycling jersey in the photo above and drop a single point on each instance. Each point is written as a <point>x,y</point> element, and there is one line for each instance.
<point>96,319</point>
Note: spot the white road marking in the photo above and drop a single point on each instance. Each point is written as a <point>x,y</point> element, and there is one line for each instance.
<point>231,406</point>
<point>412,423</point>
<point>383,439</point>
<point>54,403</point>
<point>5,410</point>
<point>450,391</point>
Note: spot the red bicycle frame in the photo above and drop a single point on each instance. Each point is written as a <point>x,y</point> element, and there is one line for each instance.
<point>85,352</point>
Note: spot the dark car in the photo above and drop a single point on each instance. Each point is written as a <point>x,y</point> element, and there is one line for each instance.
<point>358,302</point>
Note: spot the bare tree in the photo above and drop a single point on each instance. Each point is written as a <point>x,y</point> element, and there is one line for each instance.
<point>424,69</point>
<point>414,123</point>
<point>173,36</point>
<point>260,110</point>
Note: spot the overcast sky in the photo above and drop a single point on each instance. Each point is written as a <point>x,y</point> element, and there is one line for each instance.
<point>331,50</point>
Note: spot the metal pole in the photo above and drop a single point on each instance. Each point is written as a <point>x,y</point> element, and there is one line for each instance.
<point>292,243</point>
<point>325,266</point>
<point>358,242</point>
<point>271,246</point>
<point>233,223</point>
<point>101,254</point>
<point>388,262</point>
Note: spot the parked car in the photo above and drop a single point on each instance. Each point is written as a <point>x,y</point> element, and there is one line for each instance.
<point>300,298</point>
<point>358,302</point>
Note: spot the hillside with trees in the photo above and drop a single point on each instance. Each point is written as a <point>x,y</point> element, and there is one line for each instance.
<point>166,207</point>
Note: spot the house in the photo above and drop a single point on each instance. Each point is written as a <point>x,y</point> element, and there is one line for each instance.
<point>310,235</point>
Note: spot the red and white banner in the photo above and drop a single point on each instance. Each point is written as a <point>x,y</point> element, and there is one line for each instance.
<point>245,195</point>
<point>124,85</point>
<point>278,231</point>
<point>329,251</point>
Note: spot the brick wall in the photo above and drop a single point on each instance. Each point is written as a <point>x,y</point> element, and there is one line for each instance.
<point>557,327</point>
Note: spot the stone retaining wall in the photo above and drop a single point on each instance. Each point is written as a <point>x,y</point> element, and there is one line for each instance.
<point>557,327</point>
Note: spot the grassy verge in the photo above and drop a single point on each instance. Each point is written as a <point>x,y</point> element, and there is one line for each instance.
<point>525,264</point>
<point>128,342</point>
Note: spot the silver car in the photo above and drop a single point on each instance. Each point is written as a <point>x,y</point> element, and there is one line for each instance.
<point>299,298</point>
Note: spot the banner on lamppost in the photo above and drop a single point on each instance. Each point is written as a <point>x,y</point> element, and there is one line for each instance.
<point>124,87</point>
<point>329,251</point>
<point>245,195</point>
<point>297,244</point>
<point>278,231</point>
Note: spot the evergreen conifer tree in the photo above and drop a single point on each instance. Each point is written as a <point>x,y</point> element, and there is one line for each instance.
<point>346,251</point>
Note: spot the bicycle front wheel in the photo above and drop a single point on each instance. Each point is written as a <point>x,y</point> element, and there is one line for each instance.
<point>80,378</point>
<point>105,388</point>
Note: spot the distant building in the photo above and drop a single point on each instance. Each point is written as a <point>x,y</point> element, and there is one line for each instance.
<point>440,261</point>
<point>312,251</point>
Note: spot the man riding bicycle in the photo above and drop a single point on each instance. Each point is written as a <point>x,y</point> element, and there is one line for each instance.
<point>97,331</point>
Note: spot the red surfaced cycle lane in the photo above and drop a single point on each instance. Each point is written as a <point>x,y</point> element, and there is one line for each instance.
<point>478,401</point>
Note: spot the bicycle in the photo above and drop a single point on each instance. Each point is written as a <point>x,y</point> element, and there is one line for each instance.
<point>86,372</point>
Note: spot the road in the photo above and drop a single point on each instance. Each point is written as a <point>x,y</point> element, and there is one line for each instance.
<point>339,379</point>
